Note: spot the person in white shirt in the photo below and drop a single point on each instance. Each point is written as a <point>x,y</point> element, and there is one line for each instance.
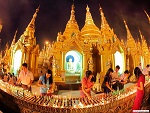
<point>146,70</point>
<point>115,75</point>
<point>115,78</point>
<point>123,79</point>
<point>25,77</point>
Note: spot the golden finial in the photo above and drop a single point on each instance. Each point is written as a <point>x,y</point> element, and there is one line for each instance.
<point>87,8</point>
<point>100,8</point>
<point>13,41</point>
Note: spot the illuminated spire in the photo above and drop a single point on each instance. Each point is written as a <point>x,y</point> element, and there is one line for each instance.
<point>31,26</point>
<point>104,23</point>
<point>107,34</point>
<point>14,39</point>
<point>130,40</point>
<point>28,36</point>
<point>144,44</point>
<point>147,16</point>
<point>72,26</point>
<point>89,19</point>
<point>89,28</point>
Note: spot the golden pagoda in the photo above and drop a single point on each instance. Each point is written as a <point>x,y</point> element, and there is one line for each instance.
<point>23,50</point>
<point>76,51</point>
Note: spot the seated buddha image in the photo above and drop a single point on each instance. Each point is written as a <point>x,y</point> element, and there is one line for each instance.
<point>70,65</point>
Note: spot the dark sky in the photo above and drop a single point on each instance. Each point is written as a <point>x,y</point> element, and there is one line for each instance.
<point>54,15</point>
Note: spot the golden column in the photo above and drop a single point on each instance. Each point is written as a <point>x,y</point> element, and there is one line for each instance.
<point>27,57</point>
<point>63,60</point>
<point>84,64</point>
<point>23,60</point>
<point>102,67</point>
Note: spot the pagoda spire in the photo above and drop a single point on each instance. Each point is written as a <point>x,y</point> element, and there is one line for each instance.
<point>104,23</point>
<point>107,33</point>
<point>89,28</point>
<point>89,19</point>
<point>72,26</point>
<point>31,25</point>
<point>14,39</point>
<point>130,40</point>
<point>147,16</point>
<point>144,44</point>
<point>28,36</point>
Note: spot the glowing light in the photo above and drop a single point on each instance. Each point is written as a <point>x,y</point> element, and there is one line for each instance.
<point>46,42</point>
<point>119,59</point>
<point>17,61</point>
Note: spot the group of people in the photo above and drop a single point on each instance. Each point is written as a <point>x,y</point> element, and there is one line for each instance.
<point>113,82</point>
<point>10,78</point>
<point>45,81</point>
<point>25,79</point>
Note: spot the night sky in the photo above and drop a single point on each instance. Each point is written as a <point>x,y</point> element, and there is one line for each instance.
<point>54,15</point>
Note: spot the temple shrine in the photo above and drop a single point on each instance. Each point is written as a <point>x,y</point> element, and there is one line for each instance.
<point>74,52</point>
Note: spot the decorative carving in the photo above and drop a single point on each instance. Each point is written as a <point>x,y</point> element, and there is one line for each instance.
<point>90,64</point>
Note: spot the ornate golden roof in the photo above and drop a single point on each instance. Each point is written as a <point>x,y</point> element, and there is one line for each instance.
<point>89,28</point>
<point>72,26</point>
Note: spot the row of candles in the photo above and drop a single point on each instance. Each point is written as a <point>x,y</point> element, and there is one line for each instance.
<point>59,101</point>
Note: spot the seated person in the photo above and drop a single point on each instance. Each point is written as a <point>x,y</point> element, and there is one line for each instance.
<point>123,79</point>
<point>106,85</point>
<point>115,78</point>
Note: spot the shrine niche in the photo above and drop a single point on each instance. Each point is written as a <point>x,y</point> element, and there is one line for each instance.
<point>73,65</point>
<point>73,62</point>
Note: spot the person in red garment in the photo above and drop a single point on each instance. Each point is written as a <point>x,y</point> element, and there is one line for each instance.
<point>140,89</point>
<point>87,84</point>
